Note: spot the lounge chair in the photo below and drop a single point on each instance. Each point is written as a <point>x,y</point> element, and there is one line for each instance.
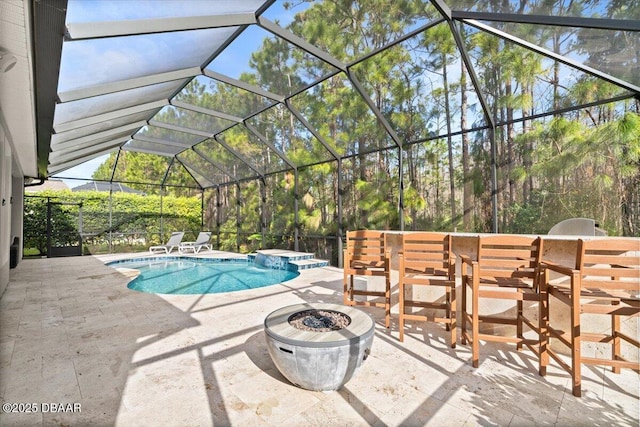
<point>173,242</point>
<point>202,241</point>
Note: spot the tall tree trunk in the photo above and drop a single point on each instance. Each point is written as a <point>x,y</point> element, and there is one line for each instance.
<point>527,161</point>
<point>467,187</point>
<point>452,183</point>
<point>510,161</point>
<point>556,75</point>
<point>412,182</point>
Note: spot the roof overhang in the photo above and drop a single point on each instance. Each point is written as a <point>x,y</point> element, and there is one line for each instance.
<point>17,85</point>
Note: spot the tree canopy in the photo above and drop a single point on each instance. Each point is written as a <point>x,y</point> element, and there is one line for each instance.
<point>402,138</point>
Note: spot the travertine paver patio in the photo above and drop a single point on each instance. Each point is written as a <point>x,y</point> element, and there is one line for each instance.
<point>71,332</point>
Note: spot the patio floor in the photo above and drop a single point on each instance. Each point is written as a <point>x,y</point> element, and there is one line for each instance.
<point>71,332</point>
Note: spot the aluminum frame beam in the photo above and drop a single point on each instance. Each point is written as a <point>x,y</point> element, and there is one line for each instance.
<point>475,81</point>
<point>115,164</point>
<point>189,172</point>
<point>391,132</point>
<point>155,184</point>
<point>150,151</point>
<point>310,128</point>
<point>177,128</point>
<point>213,163</point>
<point>154,140</point>
<point>122,85</point>
<point>397,41</point>
<point>58,157</point>
<point>58,139</point>
<point>443,8</point>
<point>243,85</point>
<point>55,169</point>
<point>300,43</point>
<point>187,164</point>
<point>446,12</point>
<point>238,156</point>
<point>63,157</point>
<point>489,117</point>
<point>618,98</point>
<point>558,21</point>
<point>556,56</point>
<point>166,173</point>
<point>133,127</point>
<point>206,111</point>
<point>357,86</point>
<point>111,115</point>
<point>264,140</point>
<point>104,29</point>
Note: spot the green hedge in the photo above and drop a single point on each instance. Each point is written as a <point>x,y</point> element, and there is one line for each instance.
<point>137,221</point>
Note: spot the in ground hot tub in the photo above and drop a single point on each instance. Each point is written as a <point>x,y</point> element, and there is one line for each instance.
<point>319,346</point>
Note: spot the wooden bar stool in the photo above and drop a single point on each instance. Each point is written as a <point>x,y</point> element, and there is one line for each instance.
<point>426,260</point>
<point>506,268</point>
<point>366,255</point>
<point>605,281</point>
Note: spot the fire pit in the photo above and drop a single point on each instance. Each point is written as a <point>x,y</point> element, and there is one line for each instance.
<point>318,346</point>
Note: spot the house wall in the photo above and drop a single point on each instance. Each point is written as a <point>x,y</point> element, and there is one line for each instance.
<point>17,209</point>
<point>11,205</point>
<point>5,207</point>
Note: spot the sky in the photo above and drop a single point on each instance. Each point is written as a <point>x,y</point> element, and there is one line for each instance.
<point>84,170</point>
<point>79,58</point>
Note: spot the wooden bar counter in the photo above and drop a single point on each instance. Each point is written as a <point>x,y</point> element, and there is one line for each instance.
<point>556,248</point>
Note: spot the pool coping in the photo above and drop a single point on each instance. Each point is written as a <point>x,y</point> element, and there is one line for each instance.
<point>271,258</point>
<point>177,258</point>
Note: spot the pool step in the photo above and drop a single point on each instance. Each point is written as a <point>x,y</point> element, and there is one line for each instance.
<point>286,260</point>
<point>305,264</point>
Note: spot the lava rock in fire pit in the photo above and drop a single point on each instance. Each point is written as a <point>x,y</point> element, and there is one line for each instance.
<point>316,323</point>
<point>319,320</point>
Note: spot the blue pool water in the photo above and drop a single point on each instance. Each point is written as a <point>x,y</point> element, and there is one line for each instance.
<point>197,276</point>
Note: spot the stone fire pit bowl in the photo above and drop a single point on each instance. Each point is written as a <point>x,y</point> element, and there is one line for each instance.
<point>318,360</point>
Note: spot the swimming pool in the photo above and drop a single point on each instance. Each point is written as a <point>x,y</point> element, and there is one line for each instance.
<point>187,276</point>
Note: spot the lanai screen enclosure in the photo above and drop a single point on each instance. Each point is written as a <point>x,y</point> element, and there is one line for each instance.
<point>299,120</point>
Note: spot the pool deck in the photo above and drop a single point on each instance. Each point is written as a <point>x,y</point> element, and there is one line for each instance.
<point>72,333</point>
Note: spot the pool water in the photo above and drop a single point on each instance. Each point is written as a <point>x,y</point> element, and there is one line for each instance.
<point>194,276</point>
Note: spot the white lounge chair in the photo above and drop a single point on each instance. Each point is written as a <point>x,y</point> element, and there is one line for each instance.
<point>173,242</point>
<point>202,241</point>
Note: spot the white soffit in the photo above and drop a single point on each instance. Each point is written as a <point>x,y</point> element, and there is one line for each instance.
<point>16,85</point>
